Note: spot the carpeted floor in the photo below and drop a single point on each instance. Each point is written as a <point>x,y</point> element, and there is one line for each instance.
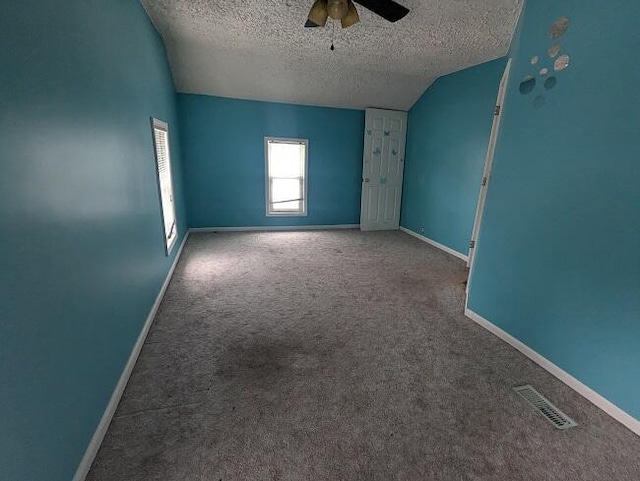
<point>340,355</point>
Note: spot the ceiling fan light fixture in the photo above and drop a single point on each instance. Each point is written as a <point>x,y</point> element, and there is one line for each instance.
<point>318,14</point>
<point>352,17</point>
<point>337,9</point>
<point>345,11</point>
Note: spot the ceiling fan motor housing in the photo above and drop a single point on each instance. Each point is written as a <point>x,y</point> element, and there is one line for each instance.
<point>345,11</point>
<point>337,9</point>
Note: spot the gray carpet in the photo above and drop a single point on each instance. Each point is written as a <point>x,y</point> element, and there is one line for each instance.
<point>340,356</point>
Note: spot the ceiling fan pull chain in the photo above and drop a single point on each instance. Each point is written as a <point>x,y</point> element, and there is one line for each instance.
<point>333,34</point>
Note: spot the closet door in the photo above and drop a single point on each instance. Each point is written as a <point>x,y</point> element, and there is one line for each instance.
<point>382,169</point>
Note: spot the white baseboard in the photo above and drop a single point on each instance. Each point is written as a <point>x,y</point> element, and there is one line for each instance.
<point>448,250</point>
<point>275,228</point>
<point>103,425</point>
<point>607,406</point>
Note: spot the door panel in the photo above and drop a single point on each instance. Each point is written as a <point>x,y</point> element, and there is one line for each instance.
<point>391,204</point>
<point>373,194</point>
<point>382,169</point>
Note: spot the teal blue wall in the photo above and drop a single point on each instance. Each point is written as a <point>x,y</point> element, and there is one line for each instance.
<point>558,260</point>
<point>447,141</point>
<point>224,161</point>
<point>82,249</point>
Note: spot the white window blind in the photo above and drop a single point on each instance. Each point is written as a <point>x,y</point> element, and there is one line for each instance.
<point>286,176</point>
<point>163,161</point>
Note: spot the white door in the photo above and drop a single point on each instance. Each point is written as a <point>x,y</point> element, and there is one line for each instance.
<point>486,175</point>
<point>382,168</point>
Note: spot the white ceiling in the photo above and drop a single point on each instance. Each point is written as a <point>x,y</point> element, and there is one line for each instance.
<point>259,49</point>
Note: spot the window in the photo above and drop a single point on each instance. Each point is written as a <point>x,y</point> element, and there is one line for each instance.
<point>163,163</point>
<point>286,176</point>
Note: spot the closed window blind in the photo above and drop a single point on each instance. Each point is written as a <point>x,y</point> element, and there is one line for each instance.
<point>163,161</point>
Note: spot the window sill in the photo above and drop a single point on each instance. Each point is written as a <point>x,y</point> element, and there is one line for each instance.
<point>170,244</point>
<point>287,214</point>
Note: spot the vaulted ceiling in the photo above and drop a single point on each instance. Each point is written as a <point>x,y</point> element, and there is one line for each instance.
<point>259,49</point>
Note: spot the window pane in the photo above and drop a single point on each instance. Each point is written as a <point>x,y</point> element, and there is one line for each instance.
<point>287,206</point>
<point>286,160</point>
<point>167,210</point>
<point>285,190</point>
<point>164,179</point>
<point>286,167</point>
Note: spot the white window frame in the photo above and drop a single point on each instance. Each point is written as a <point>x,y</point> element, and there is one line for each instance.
<point>171,235</point>
<point>304,180</point>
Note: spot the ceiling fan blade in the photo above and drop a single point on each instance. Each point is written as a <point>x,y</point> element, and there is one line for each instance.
<point>318,14</point>
<point>387,9</point>
<point>352,17</point>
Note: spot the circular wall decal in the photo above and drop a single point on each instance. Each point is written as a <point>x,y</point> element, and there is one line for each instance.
<point>559,27</point>
<point>539,101</point>
<point>550,83</point>
<point>561,63</point>
<point>544,72</point>
<point>527,85</point>
<point>534,60</point>
<point>554,50</point>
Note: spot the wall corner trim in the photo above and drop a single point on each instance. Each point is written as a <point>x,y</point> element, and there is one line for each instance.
<point>268,228</point>
<point>598,400</point>
<point>442,247</point>
<point>105,421</point>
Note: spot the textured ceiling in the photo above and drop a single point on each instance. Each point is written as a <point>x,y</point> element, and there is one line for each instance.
<point>258,49</point>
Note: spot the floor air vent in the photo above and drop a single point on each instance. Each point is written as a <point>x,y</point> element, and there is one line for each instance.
<point>556,417</point>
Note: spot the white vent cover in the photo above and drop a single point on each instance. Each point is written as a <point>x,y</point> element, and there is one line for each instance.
<point>556,417</point>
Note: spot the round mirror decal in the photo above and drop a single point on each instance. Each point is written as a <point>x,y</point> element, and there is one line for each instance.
<point>554,50</point>
<point>534,60</point>
<point>527,85</point>
<point>561,63</point>
<point>550,83</point>
<point>559,27</point>
<point>539,101</point>
<point>544,72</point>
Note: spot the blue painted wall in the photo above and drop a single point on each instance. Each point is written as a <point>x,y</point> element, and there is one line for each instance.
<point>558,263</point>
<point>224,161</point>
<point>82,249</point>
<point>447,140</point>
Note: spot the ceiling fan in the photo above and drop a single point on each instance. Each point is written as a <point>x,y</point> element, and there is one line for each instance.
<point>345,11</point>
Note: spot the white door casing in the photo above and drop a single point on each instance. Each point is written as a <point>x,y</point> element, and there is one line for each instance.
<point>486,174</point>
<point>382,169</point>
